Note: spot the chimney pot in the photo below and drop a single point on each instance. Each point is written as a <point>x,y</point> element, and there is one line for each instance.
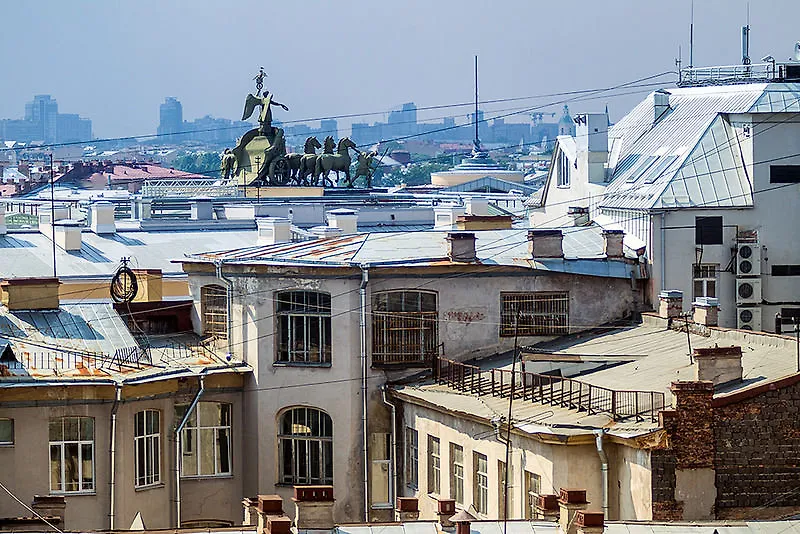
<point>68,234</point>
<point>545,243</point>
<point>477,206</point>
<point>407,509</point>
<point>719,365</point>
<point>279,524</point>
<point>273,230</point>
<point>589,522</point>
<point>446,508</point>
<point>344,219</point>
<point>613,244</point>
<point>270,504</point>
<point>706,311</point>
<point>313,507</point>
<point>570,501</point>
<point>445,217</point>
<point>461,246</point>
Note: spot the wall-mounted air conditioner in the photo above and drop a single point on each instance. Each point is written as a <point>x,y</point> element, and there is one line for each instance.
<point>748,260</point>
<point>748,291</point>
<point>748,318</point>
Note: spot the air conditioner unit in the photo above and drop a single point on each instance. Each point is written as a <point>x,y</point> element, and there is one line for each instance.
<point>748,259</point>
<point>748,319</point>
<point>748,291</point>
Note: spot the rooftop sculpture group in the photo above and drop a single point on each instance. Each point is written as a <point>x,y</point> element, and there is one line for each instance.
<point>260,157</point>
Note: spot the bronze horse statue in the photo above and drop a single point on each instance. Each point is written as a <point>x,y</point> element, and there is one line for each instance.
<point>339,162</point>
<point>297,170</point>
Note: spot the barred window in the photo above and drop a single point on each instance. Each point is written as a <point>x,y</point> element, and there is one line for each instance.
<point>405,328</point>
<point>305,443</point>
<point>541,313</point>
<point>214,310</point>
<point>304,327</point>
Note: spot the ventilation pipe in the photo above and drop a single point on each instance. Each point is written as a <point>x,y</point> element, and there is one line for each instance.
<point>178,449</point>
<point>598,436</point>
<point>362,328</point>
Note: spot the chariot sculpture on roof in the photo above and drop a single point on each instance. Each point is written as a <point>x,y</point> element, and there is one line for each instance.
<point>260,156</point>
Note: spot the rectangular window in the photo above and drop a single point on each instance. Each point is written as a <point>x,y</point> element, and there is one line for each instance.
<point>214,309</point>
<point>704,279</point>
<point>206,440</point>
<point>784,174</point>
<point>563,170</point>
<point>412,458</point>
<point>480,485</point>
<point>72,455</point>
<point>434,466</point>
<point>304,327</point>
<point>790,316</point>
<point>708,230</point>
<point>534,314</point>
<point>405,328</point>
<point>457,473</point>
<point>786,270</point>
<point>533,487</point>
<point>380,451</point>
<point>147,448</point>
<point>6,432</point>
<point>501,483</point>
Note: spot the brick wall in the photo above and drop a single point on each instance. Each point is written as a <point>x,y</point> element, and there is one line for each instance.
<point>662,465</point>
<point>757,455</point>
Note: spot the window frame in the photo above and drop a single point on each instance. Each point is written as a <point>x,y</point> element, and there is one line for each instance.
<point>480,486</point>
<point>705,273</point>
<point>381,465</point>
<point>9,443</point>
<point>563,177</point>
<point>457,473</point>
<point>539,322</point>
<point>412,458</point>
<point>533,488</point>
<point>150,443</point>
<point>61,445</point>
<point>293,440</point>
<point>213,315</point>
<point>305,313</point>
<point>405,337</point>
<point>192,444</point>
<point>434,465</point>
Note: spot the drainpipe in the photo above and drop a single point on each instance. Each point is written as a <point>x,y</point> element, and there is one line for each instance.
<point>663,252</point>
<point>229,305</point>
<point>113,458</point>
<point>179,450</point>
<point>393,489</point>
<point>362,326</point>
<point>598,437</point>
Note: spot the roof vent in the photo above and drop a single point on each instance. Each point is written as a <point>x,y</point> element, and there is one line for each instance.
<point>477,206</point>
<point>545,244</point>
<point>68,234</point>
<point>102,217</point>
<point>202,209</point>
<point>344,219</point>
<point>461,246</point>
<point>273,230</point>
<point>660,104</point>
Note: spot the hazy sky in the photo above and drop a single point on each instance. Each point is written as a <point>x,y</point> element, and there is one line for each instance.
<point>115,61</point>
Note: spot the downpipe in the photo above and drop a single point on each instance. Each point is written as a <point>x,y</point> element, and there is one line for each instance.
<point>112,484</point>
<point>179,450</point>
<point>362,328</point>
<point>598,437</point>
<point>228,305</point>
<point>393,488</point>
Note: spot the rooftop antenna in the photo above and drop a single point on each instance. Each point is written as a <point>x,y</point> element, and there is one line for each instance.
<point>691,37</point>
<point>746,39</point>
<point>678,63</point>
<point>477,139</point>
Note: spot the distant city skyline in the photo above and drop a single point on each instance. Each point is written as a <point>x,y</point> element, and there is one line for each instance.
<point>358,57</point>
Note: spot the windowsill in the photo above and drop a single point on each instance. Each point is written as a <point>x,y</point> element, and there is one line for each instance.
<point>6,445</point>
<point>302,364</point>
<point>206,477</point>
<point>157,485</point>
<point>562,186</point>
<point>74,493</point>
<point>382,506</point>
<point>292,484</point>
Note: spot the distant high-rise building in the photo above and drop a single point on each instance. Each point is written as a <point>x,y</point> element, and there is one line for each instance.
<point>170,118</point>
<point>43,111</point>
<point>329,127</point>
<point>44,123</point>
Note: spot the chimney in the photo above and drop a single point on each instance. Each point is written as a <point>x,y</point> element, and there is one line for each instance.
<point>547,507</point>
<point>102,217</point>
<point>50,506</point>
<point>313,507</point>
<point>141,208</point>
<point>462,520</point>
<point>612,244</point>
<point>30,293</point>
<point>273,230</point>
<point>445,217</point>
<point>445,509</point>
<point>3,227</point>
<point>344,219</point>
<point>589,522</point>
<point>545,244</point>
<point>461,247</point>
<point>326,232</point>
<point>670,303</point>
<point>48,215</point>
<point>591,136</point>
<point>271,519</point>
<point>150,283</point>
<point>660,105</point>
<point>570,501</point>
<point>719,365</point>
<point>250,508</point>
<point>706,311</point>
<point>580,215</point>
<point>202,209</point>
<point>407,509</point>
<point>68,234</point>
<point>477,206</point>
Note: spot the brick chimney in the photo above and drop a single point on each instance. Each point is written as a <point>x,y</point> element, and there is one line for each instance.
<point>344,219</point>
<point>706,311</point>
<point>313,507</point>
<point>150,282</point>
<point>30,293</point>
<point>612,244</point>
<point>545,244</point>
<point>250,509</point>
<point>462,520</point>
<point>547,507</point>
<point>589,522</point>
<point>445,509</point>
<point>271,519</point>
<point>461,246</point>
<point>570,501</point>
<point>407,509</point>
<point>670,303</point>
<point>273,230</point>
<point>719,365</point>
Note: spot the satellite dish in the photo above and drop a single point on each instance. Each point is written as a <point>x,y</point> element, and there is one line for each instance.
<point>797,50</point>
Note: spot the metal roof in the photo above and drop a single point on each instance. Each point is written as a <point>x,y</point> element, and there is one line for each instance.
<point>711,527</point>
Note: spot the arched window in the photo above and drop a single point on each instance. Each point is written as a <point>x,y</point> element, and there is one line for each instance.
<point>305,442</point>
<point>405,328</point>
<point>304,327</point>
<point>214,310</point>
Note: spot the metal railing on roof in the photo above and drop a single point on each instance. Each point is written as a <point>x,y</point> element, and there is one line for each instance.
<point>553,390</point>
<point>189,188</point>
<point>726,74</point>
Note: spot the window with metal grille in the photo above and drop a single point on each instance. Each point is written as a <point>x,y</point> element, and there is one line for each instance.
<point>214,310</point>
<point>434,466</point>
<point>405,328</point>
<point>457,473</point>
<point>480,486</point>
<point>541,313</point>
<point>304,327</point>
<point>704,279</point>
<point>306,447</point>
